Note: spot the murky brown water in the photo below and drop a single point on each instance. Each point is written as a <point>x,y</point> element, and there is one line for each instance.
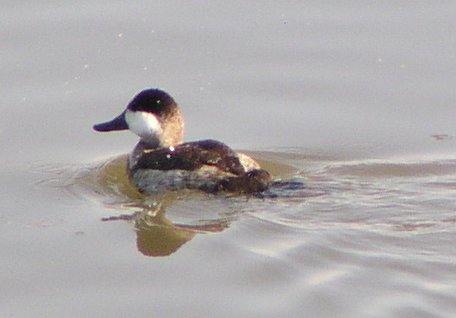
<point>351,107</point>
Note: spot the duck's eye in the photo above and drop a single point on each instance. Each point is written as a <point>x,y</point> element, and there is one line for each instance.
<point>158,101</point>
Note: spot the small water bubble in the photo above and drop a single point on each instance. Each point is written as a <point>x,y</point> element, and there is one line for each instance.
<point>120,35</point>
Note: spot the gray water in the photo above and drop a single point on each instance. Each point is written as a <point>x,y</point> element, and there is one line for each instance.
<point>351,103</point>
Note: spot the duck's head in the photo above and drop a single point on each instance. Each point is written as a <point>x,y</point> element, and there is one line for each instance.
<point>154,116</point>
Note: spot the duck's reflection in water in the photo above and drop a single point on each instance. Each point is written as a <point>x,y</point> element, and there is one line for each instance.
<point>156,235</point>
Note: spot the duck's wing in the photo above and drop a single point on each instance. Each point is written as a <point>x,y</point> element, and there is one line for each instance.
<point>191,156</point>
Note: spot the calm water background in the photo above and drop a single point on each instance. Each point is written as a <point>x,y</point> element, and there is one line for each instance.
<point>357,98</point>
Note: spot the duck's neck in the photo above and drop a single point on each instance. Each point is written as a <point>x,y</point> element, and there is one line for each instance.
<point>142,147</point>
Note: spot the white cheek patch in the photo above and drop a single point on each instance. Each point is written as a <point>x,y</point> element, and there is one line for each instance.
<point>143,124</point>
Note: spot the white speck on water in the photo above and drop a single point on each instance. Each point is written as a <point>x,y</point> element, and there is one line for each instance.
<point>120,35</point>
<point>86,66</point>
<point>379,60</point>
<point>168,156</point>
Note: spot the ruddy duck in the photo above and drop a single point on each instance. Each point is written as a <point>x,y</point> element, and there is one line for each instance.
<point>161,161</point>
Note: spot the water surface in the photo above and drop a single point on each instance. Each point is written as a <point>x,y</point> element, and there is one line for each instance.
<point>351,107</point>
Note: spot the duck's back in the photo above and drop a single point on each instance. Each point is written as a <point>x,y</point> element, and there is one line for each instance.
<point>206,165</point>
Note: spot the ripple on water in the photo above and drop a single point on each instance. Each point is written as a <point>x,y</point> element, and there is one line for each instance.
<point>394,195</point>
<point>378,231</point>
